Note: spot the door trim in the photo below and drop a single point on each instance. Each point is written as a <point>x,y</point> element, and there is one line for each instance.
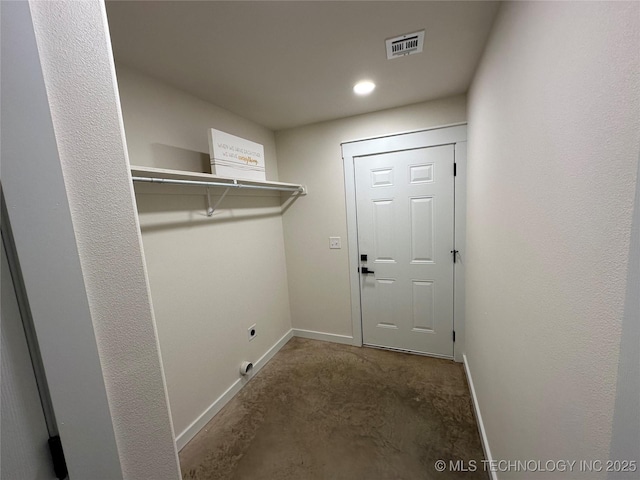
<point>448,135</point>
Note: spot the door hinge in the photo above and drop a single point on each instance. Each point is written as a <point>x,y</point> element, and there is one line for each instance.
<point>454,335</point>
<point>455,254</point>
<point>57,456</point>
<point>455,169</point>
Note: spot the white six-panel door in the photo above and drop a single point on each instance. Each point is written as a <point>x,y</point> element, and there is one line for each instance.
<point>405,223</point>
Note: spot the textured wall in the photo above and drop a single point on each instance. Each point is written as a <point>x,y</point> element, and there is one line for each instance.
<point>625,438</point>
<point>319,277</point>
<point>41,223</point>
<point>554,136</point>
<point>211,278</point>
<point>80,79</point>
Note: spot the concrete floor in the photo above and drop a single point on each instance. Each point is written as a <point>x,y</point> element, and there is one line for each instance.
<point>320,410</point>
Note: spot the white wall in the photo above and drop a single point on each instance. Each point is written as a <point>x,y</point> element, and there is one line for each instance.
<point>554,136</point>
<point>211,278</point>
<point>70,201</point>
<point>319,277</point>
<point>169,128</point>
<point>625,438</point>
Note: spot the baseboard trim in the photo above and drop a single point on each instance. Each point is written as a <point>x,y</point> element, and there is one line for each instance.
<point>476,408</point>
<point>325,337</point>
<point>199,423</point>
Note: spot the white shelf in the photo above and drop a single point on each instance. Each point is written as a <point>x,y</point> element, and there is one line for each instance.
<point>218,182</point>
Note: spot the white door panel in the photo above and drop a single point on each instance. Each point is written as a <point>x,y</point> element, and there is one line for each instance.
<point>24,449</point>
<point>405,207</point>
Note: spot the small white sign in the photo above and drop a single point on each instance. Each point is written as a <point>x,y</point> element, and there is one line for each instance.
<point>236,157</point>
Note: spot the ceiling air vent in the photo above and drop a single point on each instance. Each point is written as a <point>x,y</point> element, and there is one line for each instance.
<point>405,44</point>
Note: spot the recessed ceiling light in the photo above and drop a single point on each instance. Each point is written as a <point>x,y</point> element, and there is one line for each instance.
<point>364,87</point>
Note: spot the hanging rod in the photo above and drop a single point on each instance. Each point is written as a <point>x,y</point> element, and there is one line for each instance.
<point>235,184</point>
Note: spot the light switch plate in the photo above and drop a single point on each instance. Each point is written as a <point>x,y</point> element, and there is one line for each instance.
<point>335,242</point>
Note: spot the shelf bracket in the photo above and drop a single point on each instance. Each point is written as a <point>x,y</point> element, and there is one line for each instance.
<point>211,209</point>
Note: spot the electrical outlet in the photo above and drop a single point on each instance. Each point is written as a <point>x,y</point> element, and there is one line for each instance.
<point>335,242</point>
<point>252,332</point>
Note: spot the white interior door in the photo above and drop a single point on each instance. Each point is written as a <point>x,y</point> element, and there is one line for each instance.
<point>405,217</point>
<point>24,449</point>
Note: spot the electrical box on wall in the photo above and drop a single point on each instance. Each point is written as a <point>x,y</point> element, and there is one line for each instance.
<point>252,332</point>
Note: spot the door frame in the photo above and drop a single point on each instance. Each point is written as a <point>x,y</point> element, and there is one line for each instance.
<point>455,135</point>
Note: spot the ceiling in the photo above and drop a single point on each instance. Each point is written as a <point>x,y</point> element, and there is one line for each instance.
<point>285,64</point>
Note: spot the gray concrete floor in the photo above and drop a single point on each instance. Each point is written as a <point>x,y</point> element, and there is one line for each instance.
<point>320,410</point>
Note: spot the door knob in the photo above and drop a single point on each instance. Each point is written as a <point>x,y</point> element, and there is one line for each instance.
<point>366,271</point>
